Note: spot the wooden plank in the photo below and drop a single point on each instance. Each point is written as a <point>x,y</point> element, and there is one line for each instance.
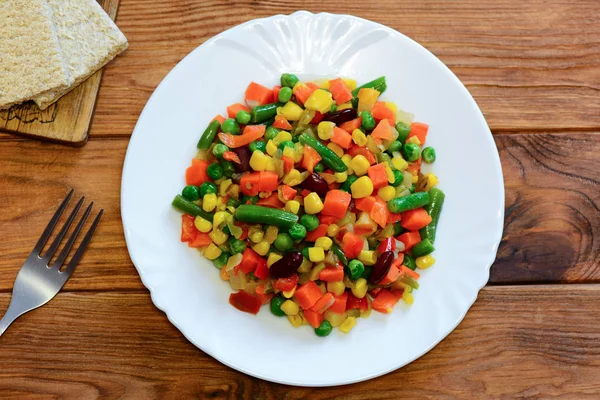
<point>531,65</point>
<point>522,341</point>
<point>67,120</point>
<point>552,200</point>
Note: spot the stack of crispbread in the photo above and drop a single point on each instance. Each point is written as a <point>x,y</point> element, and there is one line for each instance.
<point>48,47</point>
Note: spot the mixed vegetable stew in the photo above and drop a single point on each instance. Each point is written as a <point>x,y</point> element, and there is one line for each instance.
<point>310,198</point>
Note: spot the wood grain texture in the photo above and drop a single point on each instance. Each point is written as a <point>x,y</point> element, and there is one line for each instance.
<point>521,341</point>
<point>67,120</point>
<point>551,231</point>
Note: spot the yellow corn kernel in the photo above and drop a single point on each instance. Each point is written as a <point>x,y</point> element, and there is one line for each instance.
<point>293,178</point>
<point>290,308</point>
<point>350,82</point>
<point>335,319</point>
<point>432,180</point>
<point>282,136</point>
<point>362,187</point>
<point>221,218</point>
<point>344,106</point>
<point>415,179</point>
<point>289,293</point>
<point>234,261</point>
<point>295,320</point>
<point>368,257</point>
<point>360,288</point>
<point>387,193</point>
<point>316,254</point>
<point>336,149</point>
<point>212,251</point>
<point>256,234</point>
<point>389,173</point>
<point>336,288</point>
<point>354,313</point>
<point>360,165</point>
<point>413,140</point>
<point>366,99</point>
<point>425,261</point>
<point>359,138</point>
<point>273,258</point>
<point>221,203</point>
<point>324,242</point>
<point>202,225</point>
<point>262,247</point>
<point>365,314</point>
<point>332,230</point>
<point>305,266</point>
<point>271,148</point>
<point>218,237</point>
<point>392,106</point>
<point>408,298</point>
<point>341,177</point>
<point>291,111</point>
<point>258,161</point>
<point>348,324</point>
<point>313,203</point>
<point>399,163</point>
<point>323,84</point>
<point>292,206</point>
<point>320,100</point>
<point>223,186</point>
<point>347,159</point>
<point>313,275</point>
<point>209,202</point>
<point>325,130</point>
<point>298,152</point>
<point>289,152</point>
<point>271,233</point>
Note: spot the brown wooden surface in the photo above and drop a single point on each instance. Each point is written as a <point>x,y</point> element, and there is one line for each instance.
<point>66,121</point>
<point>533,67</point>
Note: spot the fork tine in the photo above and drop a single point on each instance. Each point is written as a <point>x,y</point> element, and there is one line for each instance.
<point>54,246</point>
<point>48,231</point>
<point>86,240</point>
<point>65,251</point>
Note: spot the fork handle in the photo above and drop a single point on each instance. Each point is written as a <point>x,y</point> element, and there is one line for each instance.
<point>11,315</point>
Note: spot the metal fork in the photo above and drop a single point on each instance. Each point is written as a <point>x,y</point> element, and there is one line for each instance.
<point>37,282</point>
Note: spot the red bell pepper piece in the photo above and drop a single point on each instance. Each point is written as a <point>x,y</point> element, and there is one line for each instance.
<point>188,229</point>
<point>286,284</point>
<point>388,244</point>
<point>245,302</point>
<point>354,302</point>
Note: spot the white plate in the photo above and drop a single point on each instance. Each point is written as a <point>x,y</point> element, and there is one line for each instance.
<point>187,287</point>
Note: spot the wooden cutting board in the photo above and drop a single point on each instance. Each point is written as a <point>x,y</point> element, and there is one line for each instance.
<point>66,121</point>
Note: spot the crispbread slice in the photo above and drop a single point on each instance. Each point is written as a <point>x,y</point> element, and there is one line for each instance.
<point>88,39</point>
<point>30,57</point>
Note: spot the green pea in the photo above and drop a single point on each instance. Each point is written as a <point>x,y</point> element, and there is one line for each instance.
<point>206,188</point>
<point>242,117</point>
<point>310,222</point>
<point>219,149</point>
<point>228,168</point>
<point>251,199</point>
<point>297,232</point>
<point>368,122</point>
<point>215,171</point>
<point>349,181</point>
<point>333,108</point>
<point>285,94</point>
<point>236,245</point>
<point>271,133</point>
<point>396,145</point>
<point>403,131</point>
<point>320,167</point>
<point>383,157</point>
<point>398,178</point>
<point>191,193</point>
<point>231,202</point>
<point>324,329</point>
<point>428,155</point>
<point>230,126</point>
<point>287,143</point>
<point>289,80</point>
<point>355,269</point>
<point>258,145</point>
<point>283,242</point>
<point>275,305</point>
<point>411,152</point>
<point>221,261</point>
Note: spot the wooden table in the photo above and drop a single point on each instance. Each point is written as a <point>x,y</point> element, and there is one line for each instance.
<point>534,69</point>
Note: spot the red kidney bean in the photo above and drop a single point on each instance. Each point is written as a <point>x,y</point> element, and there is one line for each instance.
<point>339,117</point>
<point>315,183</point>
<point>381,267</point>
<point>244,154</point>
<point>286,266</point>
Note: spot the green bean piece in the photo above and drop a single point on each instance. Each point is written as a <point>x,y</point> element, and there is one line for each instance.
<point>403,131</point>
<point>409,262</point>
<point>230,126</point>
<point>209,135</point>
<point>339,253</point>
<point>422,248</point>
<point>191,193</point>
<point>265,215</point>
<point>411,152</point>
<point>287,143</point>
<point>319,167</point>
<point>263,113</point>
<point>368,122</point>
<point>191,208</point>
<point>329,157</point>
<point>377,84</point>
<point>289,80</point>
<point>410,202</point>
<point>349,181</point>
<point>243,117</point>
<point>285,94</point>
<point>434,209</point>
<point>398,229</point>
<point>428,155</point>
<point>231,202</point>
